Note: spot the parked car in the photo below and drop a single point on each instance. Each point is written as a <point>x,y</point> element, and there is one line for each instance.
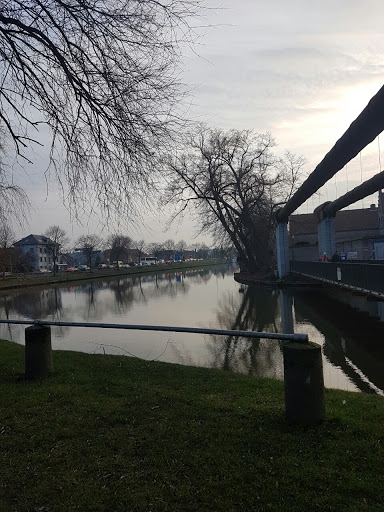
<point>42,271</point>
<point>83,268</point>
<point>71,269</point>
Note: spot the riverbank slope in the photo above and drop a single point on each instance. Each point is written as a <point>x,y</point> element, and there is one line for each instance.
<point>24,280</point>
<point>112,433</point>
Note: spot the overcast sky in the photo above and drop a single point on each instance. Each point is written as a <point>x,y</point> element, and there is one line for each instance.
<point>301,70</point>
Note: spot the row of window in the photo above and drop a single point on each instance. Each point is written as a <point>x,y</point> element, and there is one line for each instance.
<point>42,250</point>
<point>45,259</point>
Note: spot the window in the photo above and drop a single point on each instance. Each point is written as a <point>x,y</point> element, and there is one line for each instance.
<point>41,259</point>
<point>45,258</point>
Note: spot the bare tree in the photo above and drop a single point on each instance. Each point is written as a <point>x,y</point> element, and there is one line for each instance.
<point>169,248</point>
<point>181,246</point>
<point>102,76</point>
<point>57,239</point>
<point>119,246</point>
<point>22,262</point>
<point>13,200</point>
<point>140,247</point>
<point>235,183</point>
<point>89,245</point>
<point>155,248</point>
<point>7,238</point>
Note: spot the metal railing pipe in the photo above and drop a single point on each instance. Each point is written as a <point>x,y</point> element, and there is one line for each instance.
<point>303,367</point>
<point>297,337</point>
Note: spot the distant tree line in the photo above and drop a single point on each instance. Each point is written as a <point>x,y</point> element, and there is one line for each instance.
<point>115,247</point>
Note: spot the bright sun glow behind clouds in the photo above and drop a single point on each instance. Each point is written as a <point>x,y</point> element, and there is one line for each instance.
<point>324,120</point>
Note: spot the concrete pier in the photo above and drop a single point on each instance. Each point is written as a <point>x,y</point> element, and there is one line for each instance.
<point>282,249</point>
<point>326,234</point>
<point>38,352</point>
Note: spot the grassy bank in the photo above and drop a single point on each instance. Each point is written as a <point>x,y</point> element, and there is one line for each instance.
<point>23,280</point>
<point>111,433</point>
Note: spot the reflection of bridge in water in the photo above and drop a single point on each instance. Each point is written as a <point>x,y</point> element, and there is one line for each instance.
<point>353,335</point>
<point>353,339</point>
<point>363,276</point>
<point>349,330</point>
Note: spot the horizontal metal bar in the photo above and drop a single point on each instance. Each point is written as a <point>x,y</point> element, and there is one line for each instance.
<point>301,338</point>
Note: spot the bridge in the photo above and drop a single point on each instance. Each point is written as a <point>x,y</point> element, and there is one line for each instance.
<point>360,277</point>
<point>367,276</point>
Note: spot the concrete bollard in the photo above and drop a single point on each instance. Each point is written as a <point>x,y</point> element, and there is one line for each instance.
<point>38,352</point>
<point>303,383</point>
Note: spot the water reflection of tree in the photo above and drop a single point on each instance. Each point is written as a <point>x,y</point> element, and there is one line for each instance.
<point>124,295</point>
<point>171,284</point>
<point>128,291</point>
<point>6,311</point>
<point>47,303</point>
<point>255,310</point>
<point>146,288</point>
<point>350,336</point>
<point>35,304</point>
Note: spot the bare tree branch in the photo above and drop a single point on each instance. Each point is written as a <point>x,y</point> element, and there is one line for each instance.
<point>57,239</point>
<point>234,182</point>
<point>89,245</point>
<point>102,75</point>
<point>13,200</point>
<point>119,246</point>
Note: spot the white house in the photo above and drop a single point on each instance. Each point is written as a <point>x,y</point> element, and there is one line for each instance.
<point>36,247</point>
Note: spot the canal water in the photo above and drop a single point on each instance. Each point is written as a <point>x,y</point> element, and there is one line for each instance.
<point>348,327</point>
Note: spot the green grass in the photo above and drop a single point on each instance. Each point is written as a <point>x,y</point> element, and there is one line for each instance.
<point>112,433</point>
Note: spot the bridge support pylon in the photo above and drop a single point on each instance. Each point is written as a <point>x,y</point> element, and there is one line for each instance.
<point>326,229</point>
<point>282,249</point>
<point>326,234</point>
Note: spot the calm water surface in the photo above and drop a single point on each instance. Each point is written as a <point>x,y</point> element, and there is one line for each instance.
<point>347,326</point>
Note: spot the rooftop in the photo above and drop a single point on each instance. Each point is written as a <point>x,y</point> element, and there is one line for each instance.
<point>33,240</point>
<point>346,220</point>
